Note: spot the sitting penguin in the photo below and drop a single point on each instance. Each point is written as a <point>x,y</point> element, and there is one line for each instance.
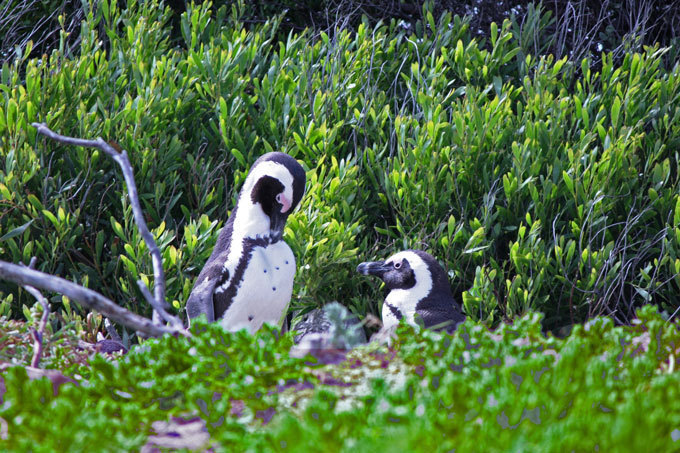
<point>248,279</point>
<point>417,284</point>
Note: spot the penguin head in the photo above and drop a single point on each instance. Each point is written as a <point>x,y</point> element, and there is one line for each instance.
<point>417,284</point>
<point>396,271</point>
<point>410,269</point>
<point>272,190</point>
<point>413,270</point>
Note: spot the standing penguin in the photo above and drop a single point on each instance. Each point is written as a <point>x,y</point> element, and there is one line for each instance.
<point>248,279</point>
<point>416,284</point>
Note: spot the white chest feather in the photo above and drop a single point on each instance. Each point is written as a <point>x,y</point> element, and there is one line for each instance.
<point>389,319</point>
<point>265,289</point>
<point>403,300</point>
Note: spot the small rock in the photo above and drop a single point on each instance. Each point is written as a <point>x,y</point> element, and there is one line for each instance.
<point>178,433</point>
<point>327,333</point>
<point>110,346</point>
<point>343,327</point>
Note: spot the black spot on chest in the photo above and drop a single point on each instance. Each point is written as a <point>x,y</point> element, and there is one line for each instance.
<point>395,311</point>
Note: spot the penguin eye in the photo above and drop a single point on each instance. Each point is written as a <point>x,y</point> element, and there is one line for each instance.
<point>397,264</point>
<point>278,198</point>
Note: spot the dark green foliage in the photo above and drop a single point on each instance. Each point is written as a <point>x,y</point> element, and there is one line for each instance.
<point>539,183</point>
<point>603,387</point>
<point>39,22</point>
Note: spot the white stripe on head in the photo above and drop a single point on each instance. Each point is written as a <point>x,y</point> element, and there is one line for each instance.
<point>407,299</point>
<point>250,219</point>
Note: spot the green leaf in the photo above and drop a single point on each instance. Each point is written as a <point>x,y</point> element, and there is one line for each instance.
<point>476,249</point>
<point>12,109</point>
<point>568,181</point>
<point>27,313</point>
<point>16,231</point>
<point>451,226</point>
<point>131,266</point>
<point>99,245</point>
<point>616,108</point>
<point>239,156</point>
<point>494,33</point>
<point>117,228</point>
<point>51,218</point>
<point>35,202</point>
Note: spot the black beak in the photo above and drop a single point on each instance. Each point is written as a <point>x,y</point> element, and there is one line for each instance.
<point>277,224</point>
<point>377,268</point>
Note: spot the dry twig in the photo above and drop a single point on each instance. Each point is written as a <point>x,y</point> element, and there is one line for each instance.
<point>121,159</point>
<point>31,279</point>
<point>84,296</point>
<point>38,334</point>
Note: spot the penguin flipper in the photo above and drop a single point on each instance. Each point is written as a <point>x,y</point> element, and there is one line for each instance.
<point>201,298</point>
<point>447,320</point>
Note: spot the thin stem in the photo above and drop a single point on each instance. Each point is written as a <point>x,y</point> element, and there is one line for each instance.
<point>38,334</point>
<point>122,159</point>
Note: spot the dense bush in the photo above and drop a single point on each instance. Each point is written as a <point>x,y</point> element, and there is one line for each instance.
<point>602,388</point>
<point>540,184</point>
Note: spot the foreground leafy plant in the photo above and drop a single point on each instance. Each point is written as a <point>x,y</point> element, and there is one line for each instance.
<point>602,387</point>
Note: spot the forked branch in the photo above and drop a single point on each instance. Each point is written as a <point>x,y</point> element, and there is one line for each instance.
<point>32,279</point>
<point>121,159</point>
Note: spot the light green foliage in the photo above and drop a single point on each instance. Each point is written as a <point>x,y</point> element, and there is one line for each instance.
<point>539,184</point>
<point>323,233</point>
<point>157,379</point>
<point>603,387</point>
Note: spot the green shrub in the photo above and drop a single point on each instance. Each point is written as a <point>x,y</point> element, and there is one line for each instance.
<point>539,184</point>
<point>603,387</point>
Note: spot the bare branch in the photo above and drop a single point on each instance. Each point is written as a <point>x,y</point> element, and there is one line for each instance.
<point>38,334</point>
<point>86,297</point>
<point>167,317</point>
<point>122,159</point>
